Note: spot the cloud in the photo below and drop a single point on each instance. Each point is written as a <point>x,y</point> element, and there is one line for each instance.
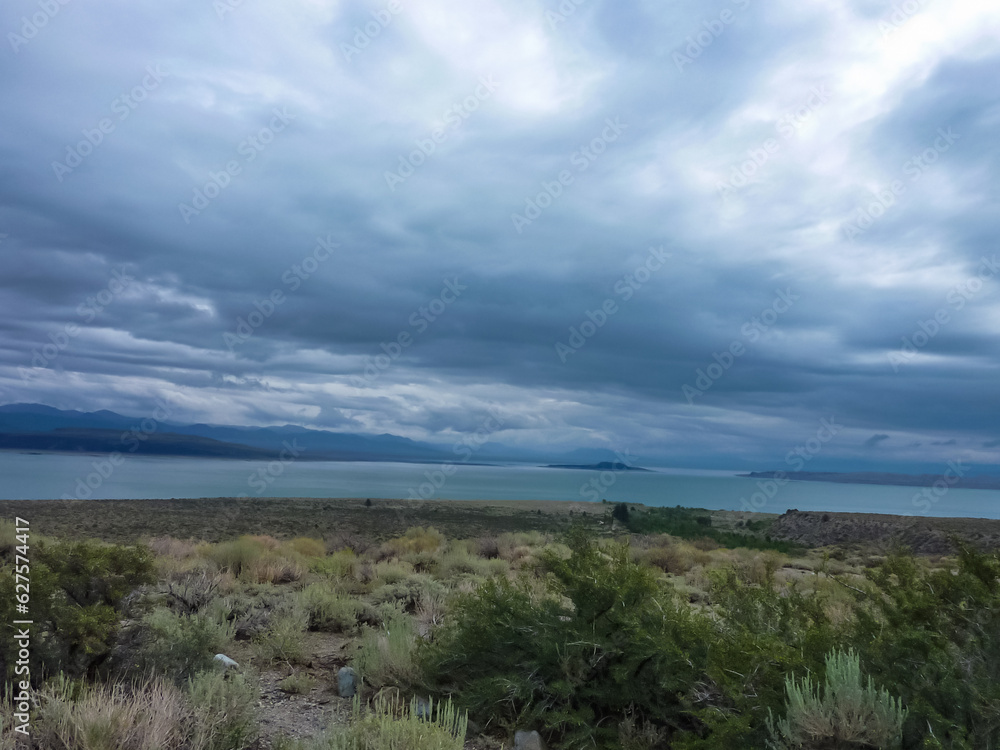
<point>808,164</point>
<point>875,440</point>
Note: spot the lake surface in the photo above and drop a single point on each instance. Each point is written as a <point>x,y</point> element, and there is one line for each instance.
<point>43,476</point>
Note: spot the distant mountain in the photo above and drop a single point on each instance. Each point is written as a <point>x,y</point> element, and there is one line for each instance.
<point>37,427</point>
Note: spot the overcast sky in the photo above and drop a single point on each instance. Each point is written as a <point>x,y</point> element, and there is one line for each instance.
<point>689,230</point>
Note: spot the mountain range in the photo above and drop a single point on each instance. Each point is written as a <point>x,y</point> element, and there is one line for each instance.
<point>37,427</point>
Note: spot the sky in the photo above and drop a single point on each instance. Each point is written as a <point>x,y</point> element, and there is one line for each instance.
<point>708,233</point>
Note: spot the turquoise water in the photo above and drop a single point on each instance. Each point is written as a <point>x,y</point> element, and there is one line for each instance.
<point>38,476</point>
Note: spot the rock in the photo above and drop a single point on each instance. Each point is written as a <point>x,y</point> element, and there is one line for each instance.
<point>226,662</point>
<point>528,741</point>
<point>347,682</point>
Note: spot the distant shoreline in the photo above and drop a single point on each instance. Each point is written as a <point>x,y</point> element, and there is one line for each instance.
<point>949,480</point>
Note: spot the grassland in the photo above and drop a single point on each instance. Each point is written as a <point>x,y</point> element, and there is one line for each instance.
<point>709,616</point>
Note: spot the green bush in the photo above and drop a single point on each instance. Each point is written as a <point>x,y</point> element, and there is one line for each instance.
<point>934,640</point>
<point>283,640</point>
<point>606,643</point>
<point>329,610</point>
<point>180,646</point>
<point>387,654</point>
<point>224,709</point>
<point>846,714</point>
<point>77,593</point>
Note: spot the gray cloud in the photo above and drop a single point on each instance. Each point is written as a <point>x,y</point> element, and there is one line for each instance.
<point>349,122</point>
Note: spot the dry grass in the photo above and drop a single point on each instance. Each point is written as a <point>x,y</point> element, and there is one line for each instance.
<point>149,716</point>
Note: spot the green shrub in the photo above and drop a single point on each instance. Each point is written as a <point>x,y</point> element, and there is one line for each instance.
<point>337,566</point>
<point>224,709</point>
<point>603,644</point>
<point>933,638</point>
<point>179,646</point>
<point>283,640</point>
<point>298,683</point>
<point>77,593</point>
<point>387,654</point>
<point>846,714</point>
<point>329,610</point>
<point>307,547</point>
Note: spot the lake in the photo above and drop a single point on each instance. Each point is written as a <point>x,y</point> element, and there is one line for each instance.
<point>43,476</point>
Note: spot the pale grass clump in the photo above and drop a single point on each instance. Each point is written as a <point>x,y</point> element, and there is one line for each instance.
<point>845,713</point>
<point>305,547</point>
<point>177,549</point>
<point>417,539</point>
<point>392,725</point>
<point>459,560</point>
<point>387,654</point>
<point>391,571</point>
<point>143,716</point>
<point>338,566</point>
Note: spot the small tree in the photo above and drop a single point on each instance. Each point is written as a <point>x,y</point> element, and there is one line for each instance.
<point>620,513</point>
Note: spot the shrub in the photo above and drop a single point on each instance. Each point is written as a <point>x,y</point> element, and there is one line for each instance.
<point>392,571</point>
<point>145,716</point>
<point>934,639</point>
<point>387,654</point>
<point>77,593</point>
<point>337,566</point>
<point>328,610</point>
<point>283,639</point>
<point>307,547</point>
<point>298,683</point>
<point>418,540</point>
<point>846,714</point>
<point>389,726</point>
<point>224,709</point>
<point>236,555</point>
<point>604,643</point>
<point>180,646</point>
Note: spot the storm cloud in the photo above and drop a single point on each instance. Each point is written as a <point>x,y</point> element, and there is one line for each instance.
<point>688,231</point>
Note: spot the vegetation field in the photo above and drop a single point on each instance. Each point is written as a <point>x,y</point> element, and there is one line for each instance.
<point>594,625</point>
